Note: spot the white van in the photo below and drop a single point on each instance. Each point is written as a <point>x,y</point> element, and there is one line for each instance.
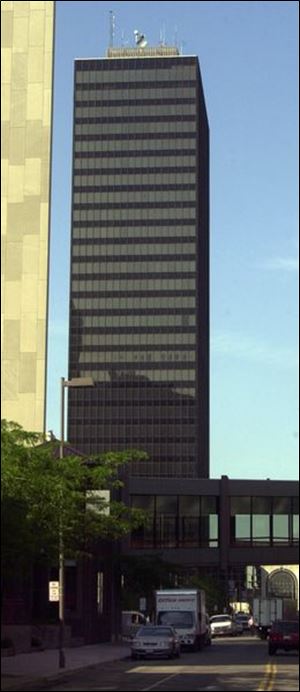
<point>132,620</point>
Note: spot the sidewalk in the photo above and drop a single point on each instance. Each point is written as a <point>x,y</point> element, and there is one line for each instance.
<point>34,670</point>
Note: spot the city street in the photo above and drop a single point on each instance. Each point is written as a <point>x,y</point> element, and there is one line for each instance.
<point>229,664</point>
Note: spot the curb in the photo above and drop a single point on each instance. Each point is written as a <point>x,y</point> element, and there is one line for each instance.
<point>36,684</point>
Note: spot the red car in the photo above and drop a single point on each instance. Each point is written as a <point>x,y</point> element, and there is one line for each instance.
<point>284,634</point>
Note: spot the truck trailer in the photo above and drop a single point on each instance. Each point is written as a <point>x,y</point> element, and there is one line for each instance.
<point>267,610</point>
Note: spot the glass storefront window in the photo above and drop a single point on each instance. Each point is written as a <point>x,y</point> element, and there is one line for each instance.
<point>144,502</point>
<point>281,505</point>
<point>209,521</point>
<point>261,511</point>
<point>281,523</point>
<point>240,505</point>
<point>261,528</point>
<point>189,505</point>
<point>281,528</point>
<point>213,531</point>
<point>242,528</point>
<point>240,519</point>
<point>189,528</point>
<point>144,535</point>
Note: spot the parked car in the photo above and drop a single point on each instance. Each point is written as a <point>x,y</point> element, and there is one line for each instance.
<point>243,620</point>
<point>155,640</point>
<point>284,634</point>
<point>238,625</point>
<point>131,623</point>
<point>223,625</point>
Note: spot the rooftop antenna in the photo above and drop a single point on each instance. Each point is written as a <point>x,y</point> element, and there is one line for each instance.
<point>140,39</point>
<point>112,26</point>
<point>176,36</point>
<point>162,36</point>
<point>124,40</point>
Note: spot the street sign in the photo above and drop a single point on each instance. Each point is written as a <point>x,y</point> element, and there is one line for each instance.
<point>53,590</point>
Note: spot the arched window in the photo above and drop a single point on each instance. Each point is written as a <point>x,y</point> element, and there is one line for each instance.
<point>282,584</point>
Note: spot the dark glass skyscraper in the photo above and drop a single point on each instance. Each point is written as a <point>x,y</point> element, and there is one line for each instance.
<point>139,313</point>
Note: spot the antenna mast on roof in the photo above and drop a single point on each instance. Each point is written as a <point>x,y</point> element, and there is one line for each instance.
<point>112,26</point>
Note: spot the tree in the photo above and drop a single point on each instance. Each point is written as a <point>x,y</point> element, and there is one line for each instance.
<point>44,497</point>
<point>142,576</point>
<point>215,594</point>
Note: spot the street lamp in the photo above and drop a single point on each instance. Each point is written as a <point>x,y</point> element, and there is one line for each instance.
<point>74,382</point>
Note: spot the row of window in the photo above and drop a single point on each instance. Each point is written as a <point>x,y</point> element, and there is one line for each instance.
<point>134,361</point>
<point>135,286</point>
<point>153,181</point>
<point>111,341</point>
<point>125,303</point>
<point>177,238</point>
<point>181,522</point>
<point>126,414</point>
<point>97,168</point>
<point>105,75</point>
<point>138,253</point>
<point>140,209</point>
<point>138,296</point>
<point>184,377</point>
<point>130,320</point>
<point>164,532</point>
<point>136,393</point>
<point>137,196</point>
<point>90,309</point>
<point>165,143</point>
<point>153,153</point>
<point>119,267</point>
<point>172,526</point>
<point>131,126</point>
<point>180,119</point>
<point>123,438</point>
<point>131,111</point>
<point>78,329</point>
<point>146,222</point>
<point>106,97</point>
<point>161,438</point>
<point>195,505</point>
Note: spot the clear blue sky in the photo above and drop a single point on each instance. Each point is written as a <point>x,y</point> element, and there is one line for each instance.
<point>248,54</point>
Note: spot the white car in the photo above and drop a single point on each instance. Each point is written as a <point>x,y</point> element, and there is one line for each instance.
<point>222,625</point>
<point>155,640</point>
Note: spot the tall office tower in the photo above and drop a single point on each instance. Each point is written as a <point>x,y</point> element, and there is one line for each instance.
<point>26,112</point>
<point>139,320</point>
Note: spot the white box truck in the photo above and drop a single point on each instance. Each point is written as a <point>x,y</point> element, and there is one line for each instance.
<point>185,610</point>
<point>266,611</point>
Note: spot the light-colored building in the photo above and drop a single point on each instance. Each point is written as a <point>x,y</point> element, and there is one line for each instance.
<point>27,46</point>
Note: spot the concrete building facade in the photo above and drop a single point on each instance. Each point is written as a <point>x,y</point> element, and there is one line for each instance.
<point>27,45</point>
<point>139,318</point>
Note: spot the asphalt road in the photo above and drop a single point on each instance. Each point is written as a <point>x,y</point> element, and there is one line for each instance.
<point>229,664</point>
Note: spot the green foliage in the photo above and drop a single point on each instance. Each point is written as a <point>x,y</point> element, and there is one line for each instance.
<point>215,595</point>
<point>44,496</point>
<point>142,576</point>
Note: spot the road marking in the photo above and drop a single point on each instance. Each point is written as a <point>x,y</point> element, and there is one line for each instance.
<point>160,682</point>
<point>269,676</point>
